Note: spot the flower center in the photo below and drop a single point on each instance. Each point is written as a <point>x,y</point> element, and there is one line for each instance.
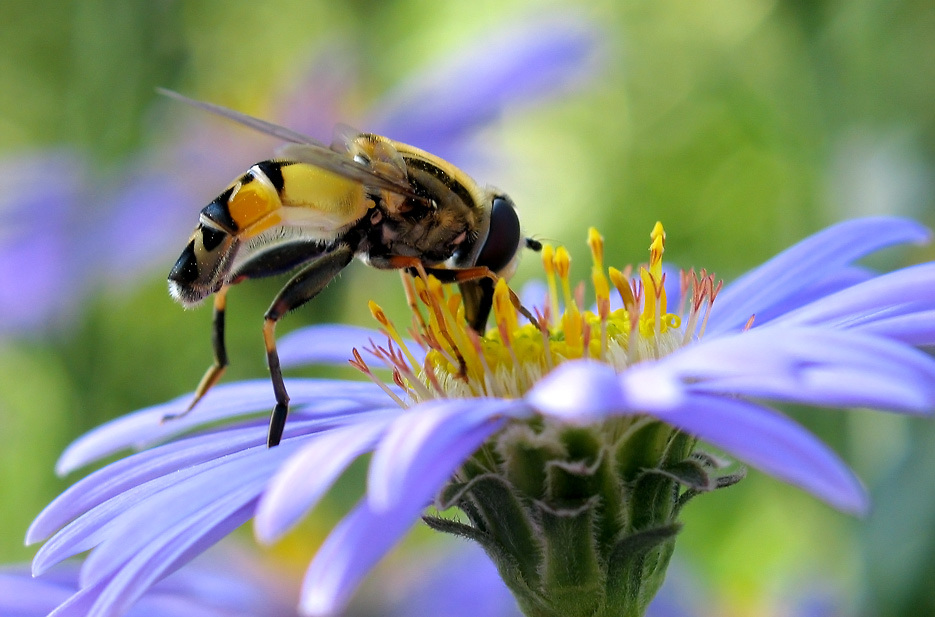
<point>621,330</point>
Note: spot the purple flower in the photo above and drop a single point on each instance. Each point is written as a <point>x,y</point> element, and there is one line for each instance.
<point>570,445</point>
<point>61,225</point>
<point>456,581</point>
<point>223,584</point>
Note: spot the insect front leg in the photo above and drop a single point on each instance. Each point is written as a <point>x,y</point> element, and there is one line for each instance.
<point>304,286</point>
<point>477,286</point>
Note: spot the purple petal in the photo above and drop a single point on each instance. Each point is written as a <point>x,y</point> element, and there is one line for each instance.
<point>38,213</point>
<point>124,474</point>
<point>355,545</point>
<point>534,295</point>
<point>187,539</point>
<point>151,194</point>
<point>132,471</point>
<point>584,391</point>
<point>80,604</point>
<point>317,98</point>
<point>23,595</point>
<point>366,534</point>
<point>772,443</point>
<point>222,489</point>
<point>150,505</point>
<point>828,387</point>
<point>579,392</point>
<point>807,263</point>
<point>332,344</point>
<point>846,277</point>
<point>914,328</point>
<point>294,490</point>
<point>810,366</point>
<point>434,435</point>
<point>146,427</point>
<point>456,581</point>
<point>879,297</point>
<point>222,584</point>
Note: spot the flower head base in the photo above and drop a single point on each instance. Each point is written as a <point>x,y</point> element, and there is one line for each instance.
<point>571,513</point>
<point>512,356</point>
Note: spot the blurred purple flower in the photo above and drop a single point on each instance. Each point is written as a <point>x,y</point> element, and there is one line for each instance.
<point>221,584</point>
<point>36,222</point>
<point>459,582</point>
<point>462,582</point>
<point>64,230</point>
<point>832,339</point>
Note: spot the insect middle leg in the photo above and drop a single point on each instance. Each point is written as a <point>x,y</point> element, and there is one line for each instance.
<point>304,286</point>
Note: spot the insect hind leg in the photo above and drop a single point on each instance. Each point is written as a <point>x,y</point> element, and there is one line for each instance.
<point>304,286</point>
<point>216,370</point>
<point>271,262</point>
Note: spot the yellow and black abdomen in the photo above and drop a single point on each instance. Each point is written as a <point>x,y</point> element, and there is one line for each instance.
<point>319,202</point>
<point>245,208</point>
<point>249,205</point>
<point>254,213</point>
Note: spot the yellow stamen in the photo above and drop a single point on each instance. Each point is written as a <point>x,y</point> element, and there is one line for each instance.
<point>511,357</point>
<point>596,244</point>
<point>562,263</point>
<point>622,283</point>
<point>601,285</point>
<point>504,311</point>
<point>548,263</point>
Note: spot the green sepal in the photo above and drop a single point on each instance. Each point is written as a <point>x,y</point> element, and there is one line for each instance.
<point>524,454</point>
<point>689,473</point>
<point>581,443</point>
<point>720,482</point>
<point>637,569</point>
<point>642,447</point>
<point>654,494</point>
<point>495,509</point>
<point>570,481</point>
<point>572,572</point>
<point>530,601</point>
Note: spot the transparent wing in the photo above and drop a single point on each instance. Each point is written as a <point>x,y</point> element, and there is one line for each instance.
<point>274,130</point>
<point>307,149</point>
<point>345,167</point>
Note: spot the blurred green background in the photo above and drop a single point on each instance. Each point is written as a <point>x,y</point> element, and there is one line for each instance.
<point>742,125</point>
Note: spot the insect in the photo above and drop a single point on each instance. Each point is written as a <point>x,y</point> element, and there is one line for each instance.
<point>315,208</point>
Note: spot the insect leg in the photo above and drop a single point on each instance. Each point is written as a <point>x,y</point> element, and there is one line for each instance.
<point>216,370</point>
<point>278,260</point>
<point>477,297</point>
<point>214,373</point>
<point>477,285</point>
<point>268,263</point>
<point>304,286</point>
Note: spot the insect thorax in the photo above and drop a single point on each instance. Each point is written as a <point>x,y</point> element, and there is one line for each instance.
<point>441,225</point>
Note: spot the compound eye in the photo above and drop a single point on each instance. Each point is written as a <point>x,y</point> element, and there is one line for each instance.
<point>503,238</point>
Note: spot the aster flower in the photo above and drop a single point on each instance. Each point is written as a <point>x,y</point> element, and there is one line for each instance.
<point>60,222</point>
<point>569,445</point>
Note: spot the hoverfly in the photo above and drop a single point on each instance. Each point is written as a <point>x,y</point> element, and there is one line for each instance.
<point>316,208</point>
